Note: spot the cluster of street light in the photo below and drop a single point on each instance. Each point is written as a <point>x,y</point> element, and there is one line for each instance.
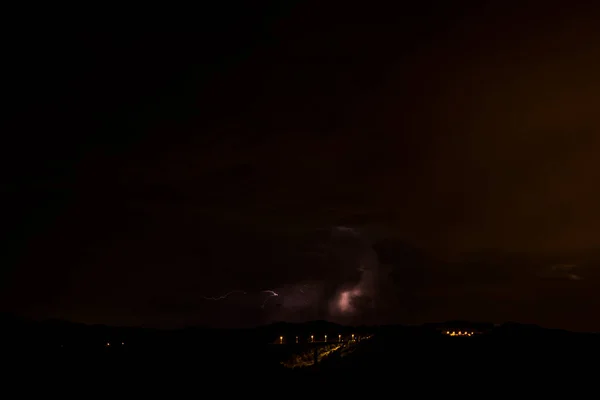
<point>459,333</point>
<point>108,344</point>
<point>325,339</point>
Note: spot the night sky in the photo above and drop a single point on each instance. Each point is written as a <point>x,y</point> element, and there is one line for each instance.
<point>421,164</point>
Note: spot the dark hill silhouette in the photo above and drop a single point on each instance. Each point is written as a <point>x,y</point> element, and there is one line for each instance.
<point>411,352</point>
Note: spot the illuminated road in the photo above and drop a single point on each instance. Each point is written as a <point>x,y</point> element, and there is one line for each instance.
<point>311,353</point>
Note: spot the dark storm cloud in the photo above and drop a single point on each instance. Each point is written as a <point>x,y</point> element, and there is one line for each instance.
<point>453,131</point>
<point>488,285</point>
<point>475,135</point>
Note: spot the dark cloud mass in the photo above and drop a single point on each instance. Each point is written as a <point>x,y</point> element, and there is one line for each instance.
<point>439,166</point>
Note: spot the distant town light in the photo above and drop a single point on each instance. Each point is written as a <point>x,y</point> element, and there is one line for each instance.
<point>296,339</point>
<point>281,339</point>
<point>325,337</point>
<point>107,344</point>
<point>312,338</point>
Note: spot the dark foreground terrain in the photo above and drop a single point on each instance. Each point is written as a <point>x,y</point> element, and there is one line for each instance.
<point>425,358</point>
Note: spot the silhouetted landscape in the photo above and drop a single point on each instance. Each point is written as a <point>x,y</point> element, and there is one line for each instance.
<point>287,352</point>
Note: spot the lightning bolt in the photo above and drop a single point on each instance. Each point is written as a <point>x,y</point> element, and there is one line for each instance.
<point>271,294</point>
<point>224,296</point>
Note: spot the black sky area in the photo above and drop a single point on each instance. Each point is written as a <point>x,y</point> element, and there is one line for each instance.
<point>452,146</point>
